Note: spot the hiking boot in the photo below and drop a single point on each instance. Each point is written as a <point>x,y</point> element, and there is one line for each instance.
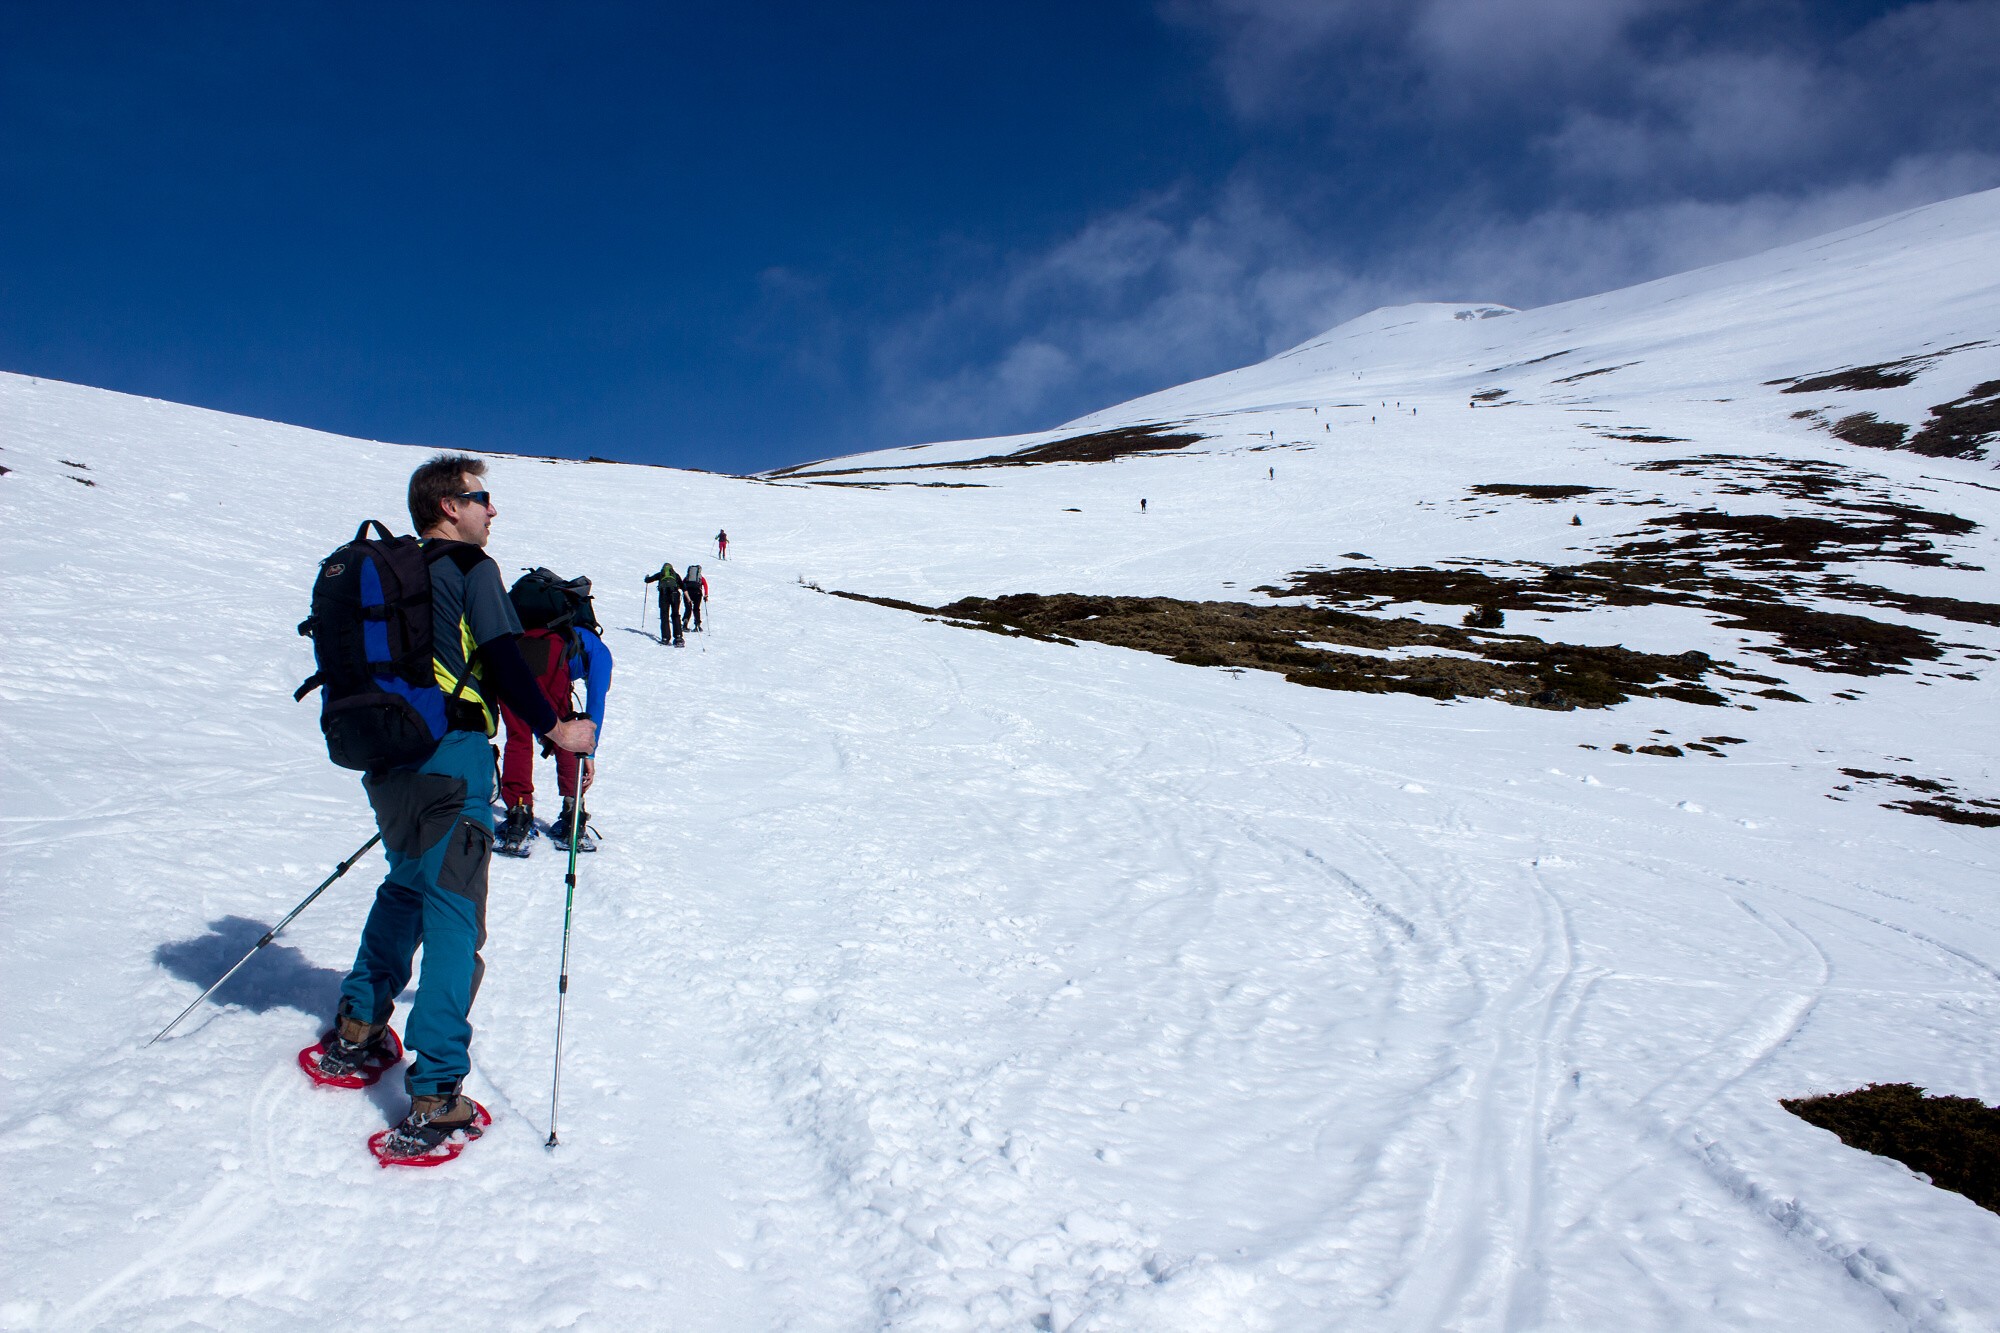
<point>433,1118</point>
<point>515,828</point>
<point>353,1043</point>
<point>560,827</point>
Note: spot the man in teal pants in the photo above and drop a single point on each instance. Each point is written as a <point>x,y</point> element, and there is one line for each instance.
<point>437,820</point>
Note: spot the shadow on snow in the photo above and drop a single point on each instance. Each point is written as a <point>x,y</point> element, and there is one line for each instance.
<point>279,977</point>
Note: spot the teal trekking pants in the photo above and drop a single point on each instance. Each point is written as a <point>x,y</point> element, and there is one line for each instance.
<point>437,831</point>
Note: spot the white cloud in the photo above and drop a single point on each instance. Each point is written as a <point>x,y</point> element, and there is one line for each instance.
<point>1163,293</point>
<point>1643,142</point>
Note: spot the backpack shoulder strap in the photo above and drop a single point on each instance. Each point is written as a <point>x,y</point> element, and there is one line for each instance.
<point>361,533</point>
<point>463,554</point>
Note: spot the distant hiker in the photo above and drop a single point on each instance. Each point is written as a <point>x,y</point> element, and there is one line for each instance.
<point>561,646</point>
<point>1273,474</point>
<point>1142,506</point>
<point>694,592</point>
<point>670,604</point>
<point>721,544</point>
<point>436,821</point>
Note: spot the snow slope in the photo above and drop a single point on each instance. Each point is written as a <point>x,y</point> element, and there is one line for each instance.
<point>936,980</point>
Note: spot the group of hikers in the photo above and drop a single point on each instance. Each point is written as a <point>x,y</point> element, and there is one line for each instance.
<point>495,655</point>
<point>682,597</point>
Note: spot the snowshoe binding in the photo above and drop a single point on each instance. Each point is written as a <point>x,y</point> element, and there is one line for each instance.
<point>353,1055</point>
<point>559,831</point>
<point>516,834</point>
<point>436,1130</point>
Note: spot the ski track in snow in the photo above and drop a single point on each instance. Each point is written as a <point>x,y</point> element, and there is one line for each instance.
<point>931,980</point>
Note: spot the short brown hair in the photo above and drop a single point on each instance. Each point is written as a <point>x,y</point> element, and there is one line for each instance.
<point>437,481</point>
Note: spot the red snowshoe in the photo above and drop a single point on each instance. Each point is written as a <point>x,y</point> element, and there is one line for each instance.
<point>379,1057</point>
<point>419,1142</point>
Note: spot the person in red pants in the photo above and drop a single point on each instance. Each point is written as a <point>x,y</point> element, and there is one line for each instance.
<point>564,649</point>
<point>546,657</point>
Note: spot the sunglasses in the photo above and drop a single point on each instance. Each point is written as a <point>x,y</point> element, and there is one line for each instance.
<point>477,497</point>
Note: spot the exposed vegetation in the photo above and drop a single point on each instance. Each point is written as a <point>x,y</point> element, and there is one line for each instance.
<point>1953,1140</point>
<point>1586,374</point>
<point>1869,431</point>
<point>1305,645</point>
<point>1938,799</point>
<point>1887,375</point>
<point>1963,427</point>
<point>1102,446</point>
<point>1882,375</point>
<point>1535,491</point>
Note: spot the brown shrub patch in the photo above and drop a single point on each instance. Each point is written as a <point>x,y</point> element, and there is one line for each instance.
<point>1963,427</point>
<point>1887,375</point>
<point>1949,813</point>
<point>1882,375</point>
<point>1766,475</point>
<point>1097,447</point>
<point>1586,374</point>
<point>1953,1140</point>
<point>1829,640</point>
<point>1878,532</point>
<point>1941,800</point>
<point>1535,491</point>
<point>1869,431</point>
<point>1304,645</point>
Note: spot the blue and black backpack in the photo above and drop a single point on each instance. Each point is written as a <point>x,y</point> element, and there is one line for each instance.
<point>371,631</point>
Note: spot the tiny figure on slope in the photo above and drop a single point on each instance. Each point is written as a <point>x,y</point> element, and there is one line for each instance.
<point>694,593</point>
<point>669,580</point>
<point>436,820</point>
<point>721,544</point>
<point>1142,505</point>
<point>561,646</point>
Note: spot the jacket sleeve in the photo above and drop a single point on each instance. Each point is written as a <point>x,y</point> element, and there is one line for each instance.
<point>652,578</point>
<point>508,671</point>
<point>597,678</point>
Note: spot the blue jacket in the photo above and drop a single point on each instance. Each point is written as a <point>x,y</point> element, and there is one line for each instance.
<point>590,661</point>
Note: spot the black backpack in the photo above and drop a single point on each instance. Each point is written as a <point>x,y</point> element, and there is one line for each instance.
<point>371,632</point>
<point>544,601</point>
<point>693,579</point>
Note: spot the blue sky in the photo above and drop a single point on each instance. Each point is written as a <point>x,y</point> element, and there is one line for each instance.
<point>734,237</point>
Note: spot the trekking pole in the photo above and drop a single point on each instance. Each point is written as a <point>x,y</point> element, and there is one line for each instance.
<point>645,597</point>
<point>562,982</point>
<point>272,933</point>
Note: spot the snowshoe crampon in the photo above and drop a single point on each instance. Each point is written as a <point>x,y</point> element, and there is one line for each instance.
<point>383,1054</point>
<point>427,1145</point>
<point>516,834</point>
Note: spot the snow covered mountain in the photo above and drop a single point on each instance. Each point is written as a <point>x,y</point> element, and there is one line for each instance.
<point>1246,933</point>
